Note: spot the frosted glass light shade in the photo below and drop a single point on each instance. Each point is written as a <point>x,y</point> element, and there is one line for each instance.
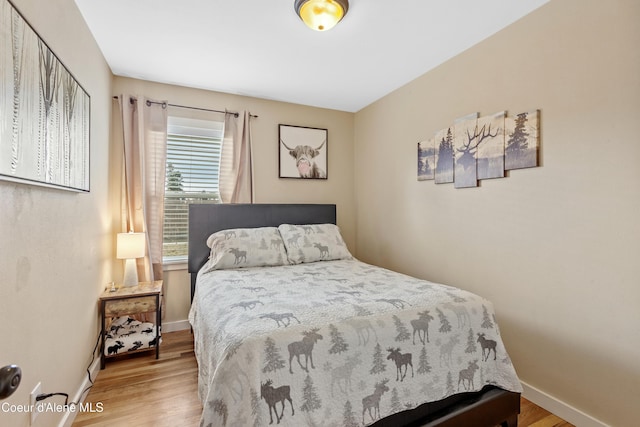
<point>130,245</point>
<point>321,15</point>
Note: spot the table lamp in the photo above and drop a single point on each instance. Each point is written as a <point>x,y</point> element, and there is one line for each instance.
<point>129,247</point>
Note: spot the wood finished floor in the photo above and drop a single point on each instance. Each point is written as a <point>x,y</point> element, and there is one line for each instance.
<point>142,391</point>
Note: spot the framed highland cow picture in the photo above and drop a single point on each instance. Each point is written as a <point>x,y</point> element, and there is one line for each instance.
<point>302,152</point>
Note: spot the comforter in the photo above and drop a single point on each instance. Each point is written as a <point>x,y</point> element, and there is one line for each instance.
<point>337,343</point>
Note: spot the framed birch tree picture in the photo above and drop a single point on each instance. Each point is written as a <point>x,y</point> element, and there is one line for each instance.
<point>44,112</point>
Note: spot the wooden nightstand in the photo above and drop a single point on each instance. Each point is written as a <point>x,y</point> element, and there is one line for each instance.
<point>144,298</point>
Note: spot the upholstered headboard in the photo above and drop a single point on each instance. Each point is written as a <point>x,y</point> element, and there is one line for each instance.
<point>206,219</point>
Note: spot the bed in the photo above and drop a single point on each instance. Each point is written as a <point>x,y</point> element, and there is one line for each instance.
<point>300,333</point>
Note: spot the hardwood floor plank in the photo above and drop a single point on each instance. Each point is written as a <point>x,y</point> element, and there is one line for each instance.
<point>139,390</point>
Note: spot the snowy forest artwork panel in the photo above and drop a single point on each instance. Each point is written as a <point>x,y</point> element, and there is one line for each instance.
<point>522,144</point>
<point>476,148</point>
<point>426,160</point>
<point>44,112</point>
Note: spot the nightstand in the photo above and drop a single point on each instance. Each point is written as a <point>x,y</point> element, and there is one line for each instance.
<point>146,297</point>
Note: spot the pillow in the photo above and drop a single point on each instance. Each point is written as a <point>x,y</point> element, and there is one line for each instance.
<point>245,247</point>
<point>311,243</point>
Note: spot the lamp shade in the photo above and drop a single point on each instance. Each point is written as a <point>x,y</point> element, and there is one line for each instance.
<point>130,245</point>
<point>321,15</point>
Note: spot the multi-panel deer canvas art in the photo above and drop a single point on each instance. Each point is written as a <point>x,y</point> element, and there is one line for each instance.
<point>476,148</point>
<point>44,112</point>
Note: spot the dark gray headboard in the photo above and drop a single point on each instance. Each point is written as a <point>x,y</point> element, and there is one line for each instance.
<point>206,219</point>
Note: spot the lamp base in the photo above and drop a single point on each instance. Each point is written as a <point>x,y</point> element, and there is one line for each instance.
<point>130,273</point>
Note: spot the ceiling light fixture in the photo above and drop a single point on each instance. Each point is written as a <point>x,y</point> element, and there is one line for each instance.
<point>321,15</point>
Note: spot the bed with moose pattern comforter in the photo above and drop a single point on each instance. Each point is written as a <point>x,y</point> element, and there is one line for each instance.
<point>337,343</point>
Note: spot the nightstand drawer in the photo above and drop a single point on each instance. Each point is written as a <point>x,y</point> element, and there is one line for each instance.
<point>119,307</point>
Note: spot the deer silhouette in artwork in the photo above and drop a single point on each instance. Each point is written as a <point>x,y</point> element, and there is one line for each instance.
<point>421,324</point>
<point>487,345</point>
<point>274,395</point>
<point>240,255</point>
<point>373,400</point>
<point>401,360</point>
<point>305,347</point>
<point>466,375</point>
<point>469,149</point>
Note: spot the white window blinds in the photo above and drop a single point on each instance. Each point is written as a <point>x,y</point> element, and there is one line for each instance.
<point>193,160</point>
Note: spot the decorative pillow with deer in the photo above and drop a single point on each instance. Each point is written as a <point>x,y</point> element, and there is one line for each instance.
<point>245,247</point>
<point>312,243</point>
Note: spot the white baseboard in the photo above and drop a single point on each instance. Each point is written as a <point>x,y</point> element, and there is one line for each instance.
<point>559,408</point>
<point>180,325</point>
<point>69,416</point>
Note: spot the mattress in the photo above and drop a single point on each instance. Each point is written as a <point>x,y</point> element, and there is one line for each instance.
<point>337,343</point>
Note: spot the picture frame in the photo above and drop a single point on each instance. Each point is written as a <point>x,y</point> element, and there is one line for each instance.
<point>302,152</point>
<point>45,133</point>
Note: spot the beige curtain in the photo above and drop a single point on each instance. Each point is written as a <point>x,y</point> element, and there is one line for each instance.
<point>144,136</point>
<point>236,169</point>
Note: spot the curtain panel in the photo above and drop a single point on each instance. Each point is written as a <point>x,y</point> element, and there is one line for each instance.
<point>144,138</point>
<point>236,168</point>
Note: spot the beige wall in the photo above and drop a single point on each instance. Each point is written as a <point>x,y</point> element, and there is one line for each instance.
<point>556,247</point>
<point>338,188</point>
<point>56,250</point>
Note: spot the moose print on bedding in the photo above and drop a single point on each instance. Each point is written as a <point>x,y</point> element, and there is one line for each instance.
<point>346,346</point>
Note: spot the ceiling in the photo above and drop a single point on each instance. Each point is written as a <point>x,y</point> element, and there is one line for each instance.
<point>262,49</point>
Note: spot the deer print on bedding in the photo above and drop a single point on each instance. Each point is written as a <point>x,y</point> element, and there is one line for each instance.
<point>487,345</point>
<point>421,324</point>
<point>240,256</point>
<point>401,360</point>
<point>316,344</point>
<point>373,401</point>
<point>273,395</point>
<point>304,347</point>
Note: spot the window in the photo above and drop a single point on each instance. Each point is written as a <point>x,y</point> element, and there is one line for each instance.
<point>193,159</point>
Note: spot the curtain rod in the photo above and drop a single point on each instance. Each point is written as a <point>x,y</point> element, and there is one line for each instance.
<point>164,105</point>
